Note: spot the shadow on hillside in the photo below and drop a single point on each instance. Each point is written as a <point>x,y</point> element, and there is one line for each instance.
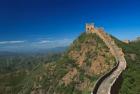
<point>117,86</point>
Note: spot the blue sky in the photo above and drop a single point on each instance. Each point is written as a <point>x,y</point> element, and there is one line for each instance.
<point>41,24</point>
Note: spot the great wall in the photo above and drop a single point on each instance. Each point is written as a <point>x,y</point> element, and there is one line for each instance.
<point>105,83</point>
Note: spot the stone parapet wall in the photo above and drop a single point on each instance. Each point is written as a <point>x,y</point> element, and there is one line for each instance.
<point>119,56</point>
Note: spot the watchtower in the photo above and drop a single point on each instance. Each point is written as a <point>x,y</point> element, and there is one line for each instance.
<point>90,28</point>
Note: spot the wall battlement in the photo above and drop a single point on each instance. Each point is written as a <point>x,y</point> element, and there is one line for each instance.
<point>90,28</point>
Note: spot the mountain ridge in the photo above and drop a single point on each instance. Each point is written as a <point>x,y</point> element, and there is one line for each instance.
<point>76,68</point>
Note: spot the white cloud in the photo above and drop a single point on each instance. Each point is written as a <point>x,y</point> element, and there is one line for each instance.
<point>52,43</point>
<point>10,42</point>
<point>34,45</point>
<point>45,41</point>
<point>55,41</point>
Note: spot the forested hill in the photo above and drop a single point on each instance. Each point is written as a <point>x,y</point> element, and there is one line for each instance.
<point>131,79</point>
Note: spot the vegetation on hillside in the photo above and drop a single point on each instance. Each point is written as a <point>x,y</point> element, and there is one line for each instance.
<point>131,77</point>
<point>73,72</point>
<point>15,69</point>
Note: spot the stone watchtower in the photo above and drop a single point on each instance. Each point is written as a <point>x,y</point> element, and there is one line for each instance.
<point>90,28</point>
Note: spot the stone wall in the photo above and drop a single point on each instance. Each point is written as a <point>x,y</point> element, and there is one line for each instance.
<point>116,52</point>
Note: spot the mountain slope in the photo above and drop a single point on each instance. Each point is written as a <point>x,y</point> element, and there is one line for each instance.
<point>15,69</point>
<point>131,77</point>
<point>75,73</point>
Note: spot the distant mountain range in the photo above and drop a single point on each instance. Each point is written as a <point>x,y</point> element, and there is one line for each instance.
<point>41,51</point>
